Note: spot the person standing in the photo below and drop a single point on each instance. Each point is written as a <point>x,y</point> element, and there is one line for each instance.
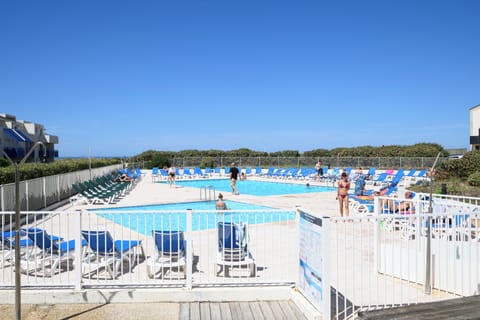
<point>360,185</point>
<point>233,178</point>
<point>318,168</point>
<point>342,194</point>
<point>171,176</point>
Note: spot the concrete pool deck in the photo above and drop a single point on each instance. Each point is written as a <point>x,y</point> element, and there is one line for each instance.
<point>147,192</point>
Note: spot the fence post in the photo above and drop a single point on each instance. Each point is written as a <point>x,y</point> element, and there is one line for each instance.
<point>3,198</point>
<point>27,198</point>
<point>69,184</point>
<point>188,238</point>
<point>77,217</point>
<point>326,312</point>
<point>58,188</point>
<point>44,180</point>
<point>376,233</point>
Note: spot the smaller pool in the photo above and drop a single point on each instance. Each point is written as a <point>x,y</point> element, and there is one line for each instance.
<point>254,187</point>
<point>173,216</point>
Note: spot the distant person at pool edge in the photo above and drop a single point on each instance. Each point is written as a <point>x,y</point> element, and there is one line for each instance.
<point>233,178</point>
<point>171,176</point>
<point>360,185</point>
<point>342,194</point>
<point>220,205</point>
<point>319,169</point>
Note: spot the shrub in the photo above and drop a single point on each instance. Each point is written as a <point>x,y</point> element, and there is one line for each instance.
<point>4,163</point>
<point>159,160</point>
<point>463,167</point>
<point>207,162</point>
<point>474,179</point>
<point>38,170</point>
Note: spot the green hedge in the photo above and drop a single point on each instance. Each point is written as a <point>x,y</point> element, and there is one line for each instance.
<point>474,179</point>
<point>464,167</point>
<point>160,158</point>
<point>38,170</point>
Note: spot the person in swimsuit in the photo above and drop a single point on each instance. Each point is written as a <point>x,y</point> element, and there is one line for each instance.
<point>319,170</point>
<point>171,176</point>
<point>402,207</point>
<point>233,179</point>
<point>342,193</point>
<point>220,205</point>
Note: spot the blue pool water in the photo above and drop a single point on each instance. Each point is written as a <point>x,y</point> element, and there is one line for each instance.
<point>256,188</point>
<point>173,215</point>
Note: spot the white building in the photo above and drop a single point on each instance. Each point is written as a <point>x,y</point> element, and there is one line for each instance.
<point>18,136</point>
<point>475,128</point>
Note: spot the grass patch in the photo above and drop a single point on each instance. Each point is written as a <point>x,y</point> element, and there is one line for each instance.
<point>455,186</point>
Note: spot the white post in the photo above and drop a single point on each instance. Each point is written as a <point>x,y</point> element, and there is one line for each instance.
<point>188,238</point>
<point>58,187</point>
<point>77,217</point>
<point>326,268</point>
<point>27,196</point>
<point>419,225</point>
<point>3,197</point>
<point>297,239</point>
<point>376,234</point>
<point>44,192</point>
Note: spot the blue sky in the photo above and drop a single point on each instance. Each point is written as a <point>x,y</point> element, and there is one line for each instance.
<point>115,78</point>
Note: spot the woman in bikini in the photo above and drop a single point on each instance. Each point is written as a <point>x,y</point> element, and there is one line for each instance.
<point>342,193</point>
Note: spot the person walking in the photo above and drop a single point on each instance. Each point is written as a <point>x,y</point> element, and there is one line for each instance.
<point>171,176</point>
<point>233,179</point>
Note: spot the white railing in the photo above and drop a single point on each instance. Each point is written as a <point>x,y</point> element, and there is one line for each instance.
<point>45,191</point>
<point>383,260</point>
<point>373,261</point>
<point>266,243</point>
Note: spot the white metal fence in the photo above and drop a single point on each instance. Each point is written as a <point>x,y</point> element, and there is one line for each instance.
<point>392,259</point>
<point>355,162</point>
<point>374,261</point>
<point>42,192</point>
<point>257,249</point>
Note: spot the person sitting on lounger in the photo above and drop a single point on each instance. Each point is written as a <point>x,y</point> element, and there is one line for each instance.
<point>402,206</point>
<point>220,205</point>
<point>122,178</point>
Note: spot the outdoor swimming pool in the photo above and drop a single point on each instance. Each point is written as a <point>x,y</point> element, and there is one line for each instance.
<point>253,187</point>
<point>173,216</point>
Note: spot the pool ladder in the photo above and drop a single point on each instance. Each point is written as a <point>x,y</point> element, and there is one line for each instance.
<point>207,193</point>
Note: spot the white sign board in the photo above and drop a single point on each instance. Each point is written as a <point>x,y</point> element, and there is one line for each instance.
<point>312,281</point>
